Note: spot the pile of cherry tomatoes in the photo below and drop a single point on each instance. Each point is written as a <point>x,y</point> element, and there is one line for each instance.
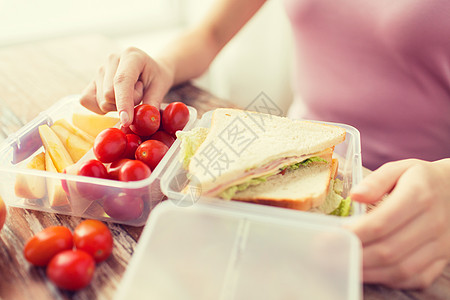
<point>131,154</point>
<point>134,152</point>
<point>70,258</point>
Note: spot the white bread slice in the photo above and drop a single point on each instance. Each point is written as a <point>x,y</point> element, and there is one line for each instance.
<point>301,189</point>
<point>266,138</point>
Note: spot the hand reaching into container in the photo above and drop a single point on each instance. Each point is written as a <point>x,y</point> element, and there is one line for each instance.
<point>125,81</point>
<point>406,238</point>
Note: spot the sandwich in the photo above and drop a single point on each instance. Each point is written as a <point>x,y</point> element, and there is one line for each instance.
<point>260,158</point>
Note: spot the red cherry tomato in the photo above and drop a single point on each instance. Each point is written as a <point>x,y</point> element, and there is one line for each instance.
<point>125,130</point>
<point>110,145</point>
<point>164,137</point>
<point>151,152</point>
<point>175,116</point>
<point>71,269</point>
<point>93,237</point>
<point>114,168</point>
<point>134,170</point>
<point>91,168</point>
<point>124,207</point>
<point>40,248</point>
<point>133,141</point>
<point>146,120</point>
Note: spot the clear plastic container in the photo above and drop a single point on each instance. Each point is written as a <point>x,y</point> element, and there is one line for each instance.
<point>208,251</point>
<point>174,180</point>
<point>25,143</point>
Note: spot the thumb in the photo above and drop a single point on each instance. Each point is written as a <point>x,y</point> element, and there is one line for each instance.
<point>380,182</point>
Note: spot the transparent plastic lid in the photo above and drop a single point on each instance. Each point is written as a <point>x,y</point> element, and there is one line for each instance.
<point>220,252</point>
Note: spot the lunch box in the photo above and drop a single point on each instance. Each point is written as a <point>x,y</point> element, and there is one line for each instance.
<point>26,143</point>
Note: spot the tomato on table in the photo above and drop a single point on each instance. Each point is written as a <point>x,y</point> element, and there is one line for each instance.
<point>71,269</point>
<point>94,237</point>
<point>151,152</point>
<point>146,120</point>
<point>41,248</point>
<point>174,117</point>
<point>110,145</point>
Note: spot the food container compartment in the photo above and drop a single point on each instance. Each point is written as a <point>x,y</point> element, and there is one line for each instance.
<point>137,198</point>
<point>175,180</point>
<point>208,252</point>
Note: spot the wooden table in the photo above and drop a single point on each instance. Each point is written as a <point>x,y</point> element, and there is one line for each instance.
<point>33,77</point>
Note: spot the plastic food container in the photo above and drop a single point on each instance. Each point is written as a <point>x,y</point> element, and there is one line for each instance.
<point>348,153</point>
<point>25,143</point>
<point>208,251</point>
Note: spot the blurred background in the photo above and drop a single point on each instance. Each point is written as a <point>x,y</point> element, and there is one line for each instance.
<point>258,59</point>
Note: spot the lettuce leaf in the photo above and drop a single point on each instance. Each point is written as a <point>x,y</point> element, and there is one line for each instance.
<point>304,163</point>
<point>190,142</point>
<point>232,190</point>
<point>344,208</point>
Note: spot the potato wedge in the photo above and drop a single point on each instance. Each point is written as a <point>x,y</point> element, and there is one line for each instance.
<point>30,186</point>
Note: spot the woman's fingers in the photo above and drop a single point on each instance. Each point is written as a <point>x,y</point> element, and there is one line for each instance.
<point>380,182</point>
<point>424,279</point>
<point>89,99</point>
<point>399,274</point>
<point>400,243</point>
<point>125,81</point>
<point>399,208</point>
<point>128,74</point>
<point>108,79</point>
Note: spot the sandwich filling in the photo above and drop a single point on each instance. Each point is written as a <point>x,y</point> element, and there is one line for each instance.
<point>229,192</point>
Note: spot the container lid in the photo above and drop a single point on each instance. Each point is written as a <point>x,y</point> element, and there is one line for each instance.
<point>218,252</point>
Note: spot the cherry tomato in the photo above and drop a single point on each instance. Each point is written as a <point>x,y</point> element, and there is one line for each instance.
<point>146,120</point>
<point>110,145</point>
<point>151,152</point>
<point>164,137</point>
<point>40,248</point>
<point>134,170</point>
<point>93,237</point>
<point>71,269</point>
<point>114,168</point>
<point>126,130</point>
<point>124,207</point>
<point>133,141</point>
<point>91,168</point>
<point>175,116</point>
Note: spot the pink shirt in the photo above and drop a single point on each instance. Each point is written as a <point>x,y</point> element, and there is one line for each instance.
<point>382,66</point>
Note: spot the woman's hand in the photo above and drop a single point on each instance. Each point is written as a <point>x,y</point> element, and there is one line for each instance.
<point>406,238</point>
<point>125,81</point>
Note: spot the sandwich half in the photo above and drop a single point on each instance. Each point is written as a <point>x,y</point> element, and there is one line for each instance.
<point>243,148</point>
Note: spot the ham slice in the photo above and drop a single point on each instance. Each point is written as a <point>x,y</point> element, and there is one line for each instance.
<point>271,168</point>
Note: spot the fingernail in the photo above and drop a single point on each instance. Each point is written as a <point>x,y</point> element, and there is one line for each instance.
<point>123,117</point>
